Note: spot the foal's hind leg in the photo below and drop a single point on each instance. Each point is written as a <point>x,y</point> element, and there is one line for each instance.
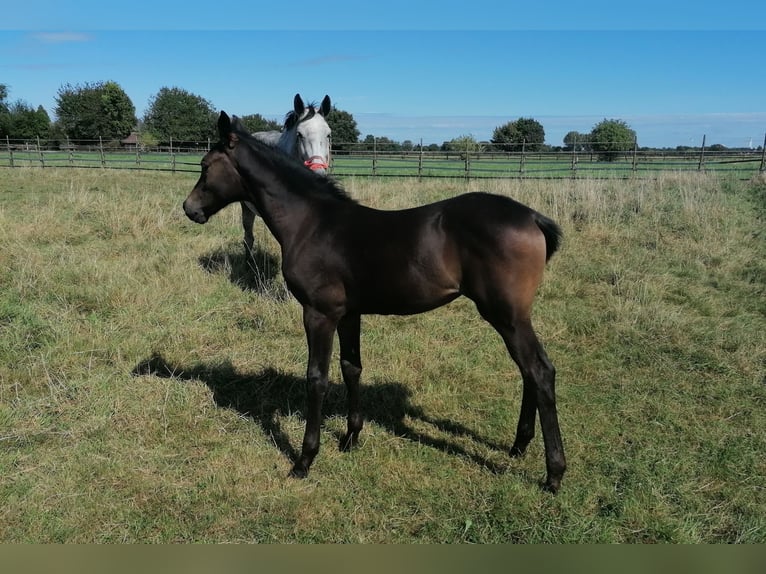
<point>539,388</point>
<point>248,219</point>
<point>525,431</point>
<point>539,375</point>
<point>351,367</point>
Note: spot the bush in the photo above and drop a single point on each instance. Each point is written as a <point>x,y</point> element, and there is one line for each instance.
<point>523,133</point>
<point>610,138</point>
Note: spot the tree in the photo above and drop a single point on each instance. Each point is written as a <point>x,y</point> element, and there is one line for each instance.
<point>576,141</point>
<point>344,130</point>
<point>27,123</point>
<point>95,110</point>
<point>257,123</point>
<point>5,116</point>
<point>609,138</point>
<point>19,120</point>
<point>463,143</point>
<point>382,143</point>
<point>178,114</point>
<point>524,131</point>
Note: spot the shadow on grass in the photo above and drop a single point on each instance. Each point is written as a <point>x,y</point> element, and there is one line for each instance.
<point>259,271</point>
<point>267,395</point>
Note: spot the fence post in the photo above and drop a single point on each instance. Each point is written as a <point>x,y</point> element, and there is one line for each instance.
<point>101,151</point>
<point>702,154</point>
<point>574,158</point>
<point>763,155</point>
<point>635,151</point>
<point>523,155</point>
<point>40,153</point>
<point>467,160</point>
<point>420,160</point>
<point>172,156</point>
<point>10,151</point>
<point>70,148</point>
<point>374,155</point>
<point>138,150</point>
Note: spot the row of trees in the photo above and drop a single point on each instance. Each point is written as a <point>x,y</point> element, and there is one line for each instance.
<point>608,139</point>
<point>104,110</point>
<point>20,118</point>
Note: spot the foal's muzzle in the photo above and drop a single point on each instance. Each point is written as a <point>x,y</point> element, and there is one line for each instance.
<point>196,215</point>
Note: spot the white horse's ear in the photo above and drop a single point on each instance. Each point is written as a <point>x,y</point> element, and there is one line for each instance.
<point>298,105</point>
<point>237,125</point>
<point>326,106</point>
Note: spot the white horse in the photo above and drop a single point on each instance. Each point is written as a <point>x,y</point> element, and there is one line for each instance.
<point>306,137</point>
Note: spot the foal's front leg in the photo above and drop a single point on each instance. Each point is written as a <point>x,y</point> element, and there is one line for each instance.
<point>248,220</point>
<point>319,334</point>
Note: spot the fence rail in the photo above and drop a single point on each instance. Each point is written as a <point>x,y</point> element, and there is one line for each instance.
<point>359,160</point>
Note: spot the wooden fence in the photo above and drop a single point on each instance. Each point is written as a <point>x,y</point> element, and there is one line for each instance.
<point>359,160</point>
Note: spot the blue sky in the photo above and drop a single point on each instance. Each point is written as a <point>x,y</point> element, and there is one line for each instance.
<point>412,70</point>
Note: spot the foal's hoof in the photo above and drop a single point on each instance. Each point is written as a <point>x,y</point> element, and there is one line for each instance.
<point>348,442</point>
<point>298,472</point>
<point>517,451</point>
<point>551,485</point>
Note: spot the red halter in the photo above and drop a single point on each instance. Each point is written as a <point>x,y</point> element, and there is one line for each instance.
<point>316,162</point>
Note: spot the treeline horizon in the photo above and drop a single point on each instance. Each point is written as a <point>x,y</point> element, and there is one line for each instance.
<point>103,110</point>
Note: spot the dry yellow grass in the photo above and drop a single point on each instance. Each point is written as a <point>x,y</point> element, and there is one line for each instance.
<point>151,388</point>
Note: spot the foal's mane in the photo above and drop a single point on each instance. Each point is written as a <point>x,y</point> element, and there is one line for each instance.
<point>294,174</point>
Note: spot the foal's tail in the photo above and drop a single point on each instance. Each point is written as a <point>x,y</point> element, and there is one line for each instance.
<point>552,233</point>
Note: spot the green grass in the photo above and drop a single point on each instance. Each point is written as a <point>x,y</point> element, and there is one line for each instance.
<point>151,383</point>
<point>411,164</point>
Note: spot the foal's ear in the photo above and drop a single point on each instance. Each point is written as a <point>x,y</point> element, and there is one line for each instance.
<point>225,130</point>
<point>224,126</point>
<point>324,109</point>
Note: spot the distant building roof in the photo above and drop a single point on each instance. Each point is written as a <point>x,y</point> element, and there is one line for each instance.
<point>132,139</point>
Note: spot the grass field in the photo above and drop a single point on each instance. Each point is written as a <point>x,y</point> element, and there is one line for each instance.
<point>151,383</point>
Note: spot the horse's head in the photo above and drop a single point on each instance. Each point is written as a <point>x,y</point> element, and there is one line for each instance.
<point>312,133</point>
<point>219,183</point>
